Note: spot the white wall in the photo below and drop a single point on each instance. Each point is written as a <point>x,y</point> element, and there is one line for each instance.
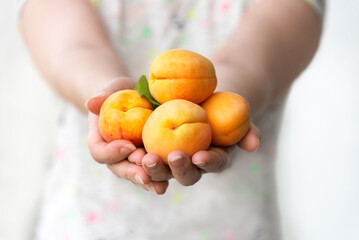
<point>318,165</point>
<point>318,158</point>
<point>26,129</point>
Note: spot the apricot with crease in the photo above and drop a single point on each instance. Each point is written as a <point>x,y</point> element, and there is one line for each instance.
<point>123,115</point>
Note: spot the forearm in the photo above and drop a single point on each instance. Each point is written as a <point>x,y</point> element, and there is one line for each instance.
<point>273,44</point>
<point>70,47</point>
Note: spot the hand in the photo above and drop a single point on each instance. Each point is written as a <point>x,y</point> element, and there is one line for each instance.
<point>187,171</point>
<point>120,156</point>
<point>147,170</point>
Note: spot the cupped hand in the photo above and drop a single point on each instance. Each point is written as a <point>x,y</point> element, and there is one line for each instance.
<point>147,169</point>
<point>187,171</point>
<point>120,156</point>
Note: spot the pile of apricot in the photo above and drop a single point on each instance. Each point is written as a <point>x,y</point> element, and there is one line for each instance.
<point>190,118</point>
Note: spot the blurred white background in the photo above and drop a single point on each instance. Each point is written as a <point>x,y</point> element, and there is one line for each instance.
<point>318,161</point>
<point>27,124</point>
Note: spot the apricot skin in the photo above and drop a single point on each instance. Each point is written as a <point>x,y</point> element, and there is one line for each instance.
<point>181,74</point>
<point>123,115</point>
<point>228,115</point>
<point>177,125</point>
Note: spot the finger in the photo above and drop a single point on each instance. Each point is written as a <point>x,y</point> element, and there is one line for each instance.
<point>155,168</point>
<point>213,160</point>
<point>160,187</point>
<point>137,156</point>
<point>104,152</point>
<point>130,171</point>
<point>94,103</point>
<point>157,187</point>
<point>250,142</point>
<point>182,168</point>
<point>138,176</point>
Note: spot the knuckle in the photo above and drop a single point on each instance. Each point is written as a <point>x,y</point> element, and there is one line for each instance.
<point>190,179</point>
<point>222,164</point>
<point>98,159</point>
<point>182,174</point>
<point>155,175</point>
<point>154,170</point>
<point>158,177</point>
<point>131,173</point>
<point>219,165</point>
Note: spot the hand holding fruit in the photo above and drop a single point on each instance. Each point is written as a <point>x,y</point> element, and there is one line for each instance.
<point>119,155</point>
<point>176,125</point>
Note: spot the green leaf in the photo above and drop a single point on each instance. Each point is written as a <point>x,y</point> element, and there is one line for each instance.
<point>144,91</point>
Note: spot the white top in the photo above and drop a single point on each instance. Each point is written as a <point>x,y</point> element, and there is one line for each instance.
<point>84,200</point>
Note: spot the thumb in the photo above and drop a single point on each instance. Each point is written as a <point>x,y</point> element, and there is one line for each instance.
<point>250,142</point>
<point>94,103</point>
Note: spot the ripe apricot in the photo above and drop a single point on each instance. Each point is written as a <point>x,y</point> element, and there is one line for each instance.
<point>123,115</point>
<point>181,74</point>
<point>177,125</point>
<point>228,115</point>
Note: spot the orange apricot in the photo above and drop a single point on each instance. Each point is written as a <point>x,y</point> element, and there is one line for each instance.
<point>177,125</point>
<point>228,115</point>
<point>123,115</point>
<point>181,74</point>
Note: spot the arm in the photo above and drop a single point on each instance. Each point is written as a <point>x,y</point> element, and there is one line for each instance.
<point>70,47</point>
<point>77,59</point>
<point>274,43</point>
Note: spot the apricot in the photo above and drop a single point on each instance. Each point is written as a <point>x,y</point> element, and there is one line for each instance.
<point>181,74</point>
<point>228,115</point>
<point>123,115</point>
<point>177,125</point>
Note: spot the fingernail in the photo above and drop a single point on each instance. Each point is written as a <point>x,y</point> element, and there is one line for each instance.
<point>127,149</point>
<point>257,145</point>
<point>176,161</point>
<point>138,179</point>
<point>200,164</point>
<point>151,165</point>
